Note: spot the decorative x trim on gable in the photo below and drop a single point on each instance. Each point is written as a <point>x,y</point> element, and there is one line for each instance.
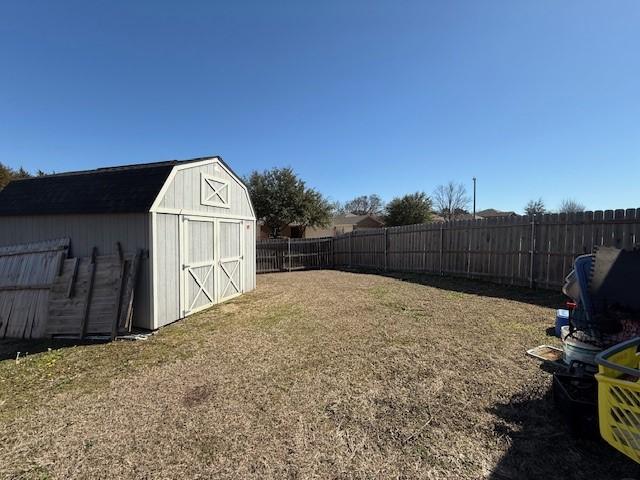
<point>214,191</point>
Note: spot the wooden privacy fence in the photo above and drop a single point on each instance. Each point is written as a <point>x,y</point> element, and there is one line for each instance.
<point>535,252</point>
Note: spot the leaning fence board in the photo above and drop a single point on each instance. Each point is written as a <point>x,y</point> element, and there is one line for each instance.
<point>26,272</point>
<point>103,310</point>
<point>527,251</point>
<point>102,297</point>
<point>131,278</point>
<point>66,313</point>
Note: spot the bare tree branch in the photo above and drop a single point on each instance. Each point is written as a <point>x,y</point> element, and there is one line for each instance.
<point>569,205</point>
<point>450,200</point>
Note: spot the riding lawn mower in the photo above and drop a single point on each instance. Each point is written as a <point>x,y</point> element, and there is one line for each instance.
<point>596,373</point>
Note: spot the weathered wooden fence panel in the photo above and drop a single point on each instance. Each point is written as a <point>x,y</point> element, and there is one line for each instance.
<point>528,251</point>
<point>26,274</point>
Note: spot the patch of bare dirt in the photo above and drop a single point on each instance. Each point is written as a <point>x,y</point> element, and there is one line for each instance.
<point>196,395</point>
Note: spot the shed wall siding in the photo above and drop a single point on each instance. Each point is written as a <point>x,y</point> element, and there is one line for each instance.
<point>249,228</point>
<point>183,193</point>
<point>168,265</point>
<point>88,231</point>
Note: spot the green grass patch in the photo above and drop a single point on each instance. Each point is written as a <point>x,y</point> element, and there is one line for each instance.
<point>280,315</point>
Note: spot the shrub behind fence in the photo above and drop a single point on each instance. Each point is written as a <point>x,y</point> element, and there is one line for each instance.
<point>518,250</point>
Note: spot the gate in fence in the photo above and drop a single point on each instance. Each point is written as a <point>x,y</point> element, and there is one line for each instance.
<point>281,255</point>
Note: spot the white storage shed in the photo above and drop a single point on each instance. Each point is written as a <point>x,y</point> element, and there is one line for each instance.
<point>193,217</point>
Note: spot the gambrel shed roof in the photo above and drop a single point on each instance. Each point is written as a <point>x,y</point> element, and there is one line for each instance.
<point>122,189</point>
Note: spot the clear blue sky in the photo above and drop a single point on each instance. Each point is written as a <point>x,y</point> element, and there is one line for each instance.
<point>535,98</point>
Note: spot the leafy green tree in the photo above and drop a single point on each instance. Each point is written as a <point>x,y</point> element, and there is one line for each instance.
<point>408,210</point>
<point>535,207</point>
<point>281,198</point>
<point>21,173</point>
<point>7,174</point>
<point>316,208</point>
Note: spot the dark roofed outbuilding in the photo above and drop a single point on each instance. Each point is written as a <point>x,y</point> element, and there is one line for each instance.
<point>194,218</point>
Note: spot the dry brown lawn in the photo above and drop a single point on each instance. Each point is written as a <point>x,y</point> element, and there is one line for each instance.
<point>314,375</point>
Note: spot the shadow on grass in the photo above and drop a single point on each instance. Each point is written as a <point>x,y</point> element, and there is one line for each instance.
<point>10,348</point>
<point>543,445</point>
<point>543,298</point>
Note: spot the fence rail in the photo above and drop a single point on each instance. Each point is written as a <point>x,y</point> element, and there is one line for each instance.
<point>530,251</point>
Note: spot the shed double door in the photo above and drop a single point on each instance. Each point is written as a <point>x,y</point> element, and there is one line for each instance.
<point>211,261</point>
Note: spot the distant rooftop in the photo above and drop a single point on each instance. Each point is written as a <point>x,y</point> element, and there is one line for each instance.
<point>492,212</point>
<point>352,219</point>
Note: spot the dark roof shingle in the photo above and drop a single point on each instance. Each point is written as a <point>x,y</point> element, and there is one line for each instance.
<point>125,189</point>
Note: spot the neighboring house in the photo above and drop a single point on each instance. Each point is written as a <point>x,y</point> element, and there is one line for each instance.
<point>292,230</point>
<point>467,216</point>
<point>493,213</point>
<point>344,224</point>
<point>339,224</point>
<point>487,213</point>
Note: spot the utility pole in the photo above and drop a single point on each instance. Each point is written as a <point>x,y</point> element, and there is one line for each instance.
<point>474,198</point>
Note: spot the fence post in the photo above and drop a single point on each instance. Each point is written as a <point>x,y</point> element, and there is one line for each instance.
<point>532,252</point>
<point>423,233</point>
<point>350,247</point>
<point>469,235</point>
<point>441,244</point>
<point>386,249</point>
<point>333,253</point>
<point>289,252</point>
